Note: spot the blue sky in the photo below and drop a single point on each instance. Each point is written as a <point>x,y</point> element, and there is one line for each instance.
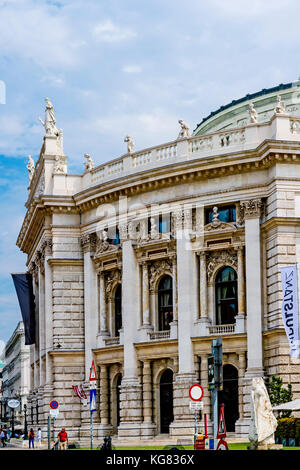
<point>117,67</point>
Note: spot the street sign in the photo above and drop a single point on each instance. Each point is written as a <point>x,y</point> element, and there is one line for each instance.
<point>196,392</point>
<point>196,405</point>
<point>53,405</point>
<point>13,403</point>
<point>54,412</point>
<point>93,405</point>
<point>222,426</point>
<point>222,445</point>
<point>93,375</point>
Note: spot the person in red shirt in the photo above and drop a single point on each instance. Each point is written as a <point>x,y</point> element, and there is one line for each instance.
<point>62,437</point>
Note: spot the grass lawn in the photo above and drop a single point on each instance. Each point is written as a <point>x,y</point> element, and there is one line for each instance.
<point>232,446</point>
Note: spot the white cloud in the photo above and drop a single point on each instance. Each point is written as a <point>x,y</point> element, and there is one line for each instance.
<point>242,8</point>
<point>36,32</point>
<point>107,31</point>
<point>132,69</point>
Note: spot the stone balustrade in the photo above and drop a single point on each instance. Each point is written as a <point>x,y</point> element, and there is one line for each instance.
<point>221,329</point>
<point>245,138</point>
<point>156,335</point>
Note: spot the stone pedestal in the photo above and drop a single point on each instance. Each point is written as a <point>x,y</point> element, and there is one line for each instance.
<point>131,409</point>
<point>183,424</point>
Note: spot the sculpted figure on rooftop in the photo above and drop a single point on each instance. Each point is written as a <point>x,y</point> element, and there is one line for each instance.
<point>280,107</point>
<point>130,144</point>
<point>89,164</point>
<point>30,168</point>
<point>253,113</point>
<point>50,121</point>
<point>184,131</point>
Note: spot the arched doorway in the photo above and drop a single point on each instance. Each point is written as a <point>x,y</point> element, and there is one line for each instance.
<point>165,303</point>
<point>166,401</point>
<point>229,396</point>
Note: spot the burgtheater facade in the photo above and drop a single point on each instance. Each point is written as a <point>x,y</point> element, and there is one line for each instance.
<point>140,262</point>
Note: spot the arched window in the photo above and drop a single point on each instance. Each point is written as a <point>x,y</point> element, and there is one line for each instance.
<point>165,303</point>
<point>226,296</point>
<point>118,309</point>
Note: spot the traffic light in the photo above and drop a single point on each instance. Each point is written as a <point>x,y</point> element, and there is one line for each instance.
<point>215,366</point>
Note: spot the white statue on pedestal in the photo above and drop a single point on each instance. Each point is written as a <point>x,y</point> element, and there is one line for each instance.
<point>130,143</point>
<point>30,168</point>
<point>253,113</point>
<point>263,422</point>
<point>184,131</point>
<point>50,121</point>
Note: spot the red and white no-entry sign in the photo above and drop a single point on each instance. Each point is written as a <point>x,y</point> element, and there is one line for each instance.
<point>196,392</point>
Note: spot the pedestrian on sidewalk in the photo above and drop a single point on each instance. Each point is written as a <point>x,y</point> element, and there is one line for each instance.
<point>31,438</point>
<point>39,438</point>
<point>62,437</point>
<point>3,437</point>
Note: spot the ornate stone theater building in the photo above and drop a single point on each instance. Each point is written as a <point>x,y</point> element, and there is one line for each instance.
<point>140,262</point>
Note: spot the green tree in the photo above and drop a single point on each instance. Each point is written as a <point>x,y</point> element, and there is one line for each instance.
<point>278,394</point>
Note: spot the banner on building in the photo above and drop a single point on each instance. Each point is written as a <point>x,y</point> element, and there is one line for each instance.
<point>24,289</point>
<point>290,313</point>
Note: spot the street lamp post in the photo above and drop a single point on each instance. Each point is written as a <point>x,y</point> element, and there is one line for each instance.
<point>25,422</point>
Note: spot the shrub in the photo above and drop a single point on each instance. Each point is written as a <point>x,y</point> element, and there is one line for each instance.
<point>288,428</point>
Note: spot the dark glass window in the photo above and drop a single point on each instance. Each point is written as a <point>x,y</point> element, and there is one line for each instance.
<point>118,310</point>
<point>226,214</point>
<point>165,303</point>
<point>226,296</point>
<point>164,223</point>
<point>113,236</point>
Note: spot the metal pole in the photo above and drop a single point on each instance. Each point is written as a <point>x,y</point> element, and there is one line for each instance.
<point>48,432</point>
<point>91,430</point>
<point>195,435</point>
<point>54,428</point>
<point>215,411</point>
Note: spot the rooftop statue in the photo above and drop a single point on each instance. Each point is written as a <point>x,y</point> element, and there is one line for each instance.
<point>30,168</point>
<point>89,164</point>
<point>253,113</point>
<point>184,131</point>
<point>130,144</point>
<point>50,121</point>
<point>280,107</point>
<point>263,422</point>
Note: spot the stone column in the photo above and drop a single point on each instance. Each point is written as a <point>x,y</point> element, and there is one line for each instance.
<point>41,323</point>
<point>242,423</point>
<point>146,302</point>
<point>240,317</point>
<point>90,301</point>
<point>203,320</point>
<point>105,427</point>
<point>187,313</point>
<point>103,324</point>
<point>47,246</point>
<point>252,211</point>
<point>174,323</point>
<point>148,427</point>
<point>130,396</point>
